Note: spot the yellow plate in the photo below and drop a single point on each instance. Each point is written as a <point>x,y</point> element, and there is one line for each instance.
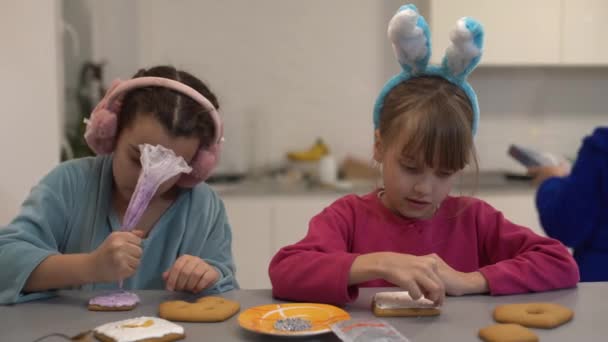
<point>261,319</point>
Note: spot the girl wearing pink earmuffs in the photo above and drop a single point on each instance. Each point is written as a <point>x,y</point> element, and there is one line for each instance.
<point>68,233</point>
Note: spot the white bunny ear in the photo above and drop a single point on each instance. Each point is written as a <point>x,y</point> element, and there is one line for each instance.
<point>409,34</point>
<point>465,50</point>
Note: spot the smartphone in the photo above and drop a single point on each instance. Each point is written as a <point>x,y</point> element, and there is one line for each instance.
<point>529,157</point>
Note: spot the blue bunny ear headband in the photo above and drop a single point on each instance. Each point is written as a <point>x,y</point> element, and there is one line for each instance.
<point>410,36</point>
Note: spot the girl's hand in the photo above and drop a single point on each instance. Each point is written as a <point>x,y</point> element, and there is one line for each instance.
<point>419,275</point>
<point>459,283</point>
<point>190,273</point>
<point>118,256</point>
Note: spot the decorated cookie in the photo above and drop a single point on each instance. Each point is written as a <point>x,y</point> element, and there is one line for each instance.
<point>400,304</point>
<point>115,301</point>
<point>205,309</point>
<point>148,329</point>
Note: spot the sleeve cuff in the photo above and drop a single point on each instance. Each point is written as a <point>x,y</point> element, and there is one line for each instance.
<point>496,285</point>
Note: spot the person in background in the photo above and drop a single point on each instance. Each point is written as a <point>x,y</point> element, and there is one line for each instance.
<point>573,205</point>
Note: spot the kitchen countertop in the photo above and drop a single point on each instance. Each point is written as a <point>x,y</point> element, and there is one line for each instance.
<point>467,184</point>
<point>460,319</point>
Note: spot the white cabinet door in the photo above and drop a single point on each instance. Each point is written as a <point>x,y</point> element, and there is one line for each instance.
<point>292,216</point>
<point>585,25</point>
<point>251,222</point>
<point>517,32</point>
<point>517,207</point>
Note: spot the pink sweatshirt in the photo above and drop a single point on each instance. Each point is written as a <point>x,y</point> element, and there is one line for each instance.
<point>466,232</point>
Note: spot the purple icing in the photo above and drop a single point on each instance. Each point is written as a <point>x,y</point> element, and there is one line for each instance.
<point>115,299</point>
<point>144,191</point>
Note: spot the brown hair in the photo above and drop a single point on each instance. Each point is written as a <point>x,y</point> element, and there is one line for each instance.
<point>178,113</point>
<point>435,117</point>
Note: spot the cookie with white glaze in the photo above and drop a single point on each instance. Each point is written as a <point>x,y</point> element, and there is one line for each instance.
<point>400,304</point>
<point>140,329</point>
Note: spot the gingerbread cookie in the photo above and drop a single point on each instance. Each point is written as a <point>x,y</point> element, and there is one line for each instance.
<point>507,333</point>
<point>400,304</point>
<point>205,309</point>
<point>148,329</point>
<point>115,301</point>
<point>533,315</point>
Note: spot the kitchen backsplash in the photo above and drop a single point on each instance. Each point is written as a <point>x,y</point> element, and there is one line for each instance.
<point>549,109</point>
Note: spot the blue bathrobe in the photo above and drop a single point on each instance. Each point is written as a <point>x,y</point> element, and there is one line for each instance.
<point>70,211</point>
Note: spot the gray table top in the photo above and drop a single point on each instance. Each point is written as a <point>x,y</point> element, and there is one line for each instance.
<point>460,320</point>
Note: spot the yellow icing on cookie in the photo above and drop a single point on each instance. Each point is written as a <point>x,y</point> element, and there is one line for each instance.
<point>142,325</point>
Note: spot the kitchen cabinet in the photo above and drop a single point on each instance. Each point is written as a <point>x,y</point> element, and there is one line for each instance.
<point>528,33</point>
<point>251,222</point>
<point>517,32</point>
<point>261,225</point>
<point>584,27</point>
<point>293,215</point>
<point>517,207</point>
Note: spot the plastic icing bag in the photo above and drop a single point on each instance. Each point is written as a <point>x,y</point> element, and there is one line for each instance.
<point>363,330</point>
<point>158,164</point>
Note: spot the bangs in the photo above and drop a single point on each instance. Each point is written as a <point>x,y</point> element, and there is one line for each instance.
<point>436,136</point>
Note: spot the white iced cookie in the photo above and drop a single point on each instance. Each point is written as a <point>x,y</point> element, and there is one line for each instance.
<point>139,329</point>
<point>399,303</point>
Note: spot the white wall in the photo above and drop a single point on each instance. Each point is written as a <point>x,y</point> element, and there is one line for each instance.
<point>30,91</point>
<point>114,27</point>
<point>287,72</point>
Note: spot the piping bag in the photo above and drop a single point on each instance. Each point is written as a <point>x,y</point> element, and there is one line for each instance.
<point>158,164</point>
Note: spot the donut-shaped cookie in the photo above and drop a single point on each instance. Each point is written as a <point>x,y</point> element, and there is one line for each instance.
<point>533,315</point>
<point>205,309</point>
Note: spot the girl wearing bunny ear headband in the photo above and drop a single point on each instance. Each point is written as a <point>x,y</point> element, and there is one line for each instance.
<point>70,230</point>
<point>426,116</point>
<point>412,234</point>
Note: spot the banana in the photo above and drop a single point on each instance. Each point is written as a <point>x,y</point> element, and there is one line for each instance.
<point>316,152</point>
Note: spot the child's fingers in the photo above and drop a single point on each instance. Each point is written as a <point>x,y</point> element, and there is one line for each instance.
<point>138,233</point>
<point>437,283</point>
<point>184,274</point>
<point>172,278</point>
<point>414,290</point>
<point>132,262</point>
<point>132,250</point>
<point>174,273</point>
<point>195,276</point>
<point>133,239</point>
<point>432,289</point>
<point>208,279</point>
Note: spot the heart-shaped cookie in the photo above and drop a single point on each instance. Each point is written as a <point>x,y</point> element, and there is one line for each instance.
<point>205,309</point>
